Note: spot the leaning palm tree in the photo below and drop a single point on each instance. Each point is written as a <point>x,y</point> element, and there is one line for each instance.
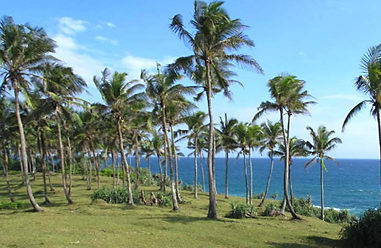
<point>322,142</point>
<point>289,99</point>
<point>215,35</point>
<point>370,84</point>
<point>22,51</point>
<point>272,135</point>
<point>228,144</point>
<point>119,94</point>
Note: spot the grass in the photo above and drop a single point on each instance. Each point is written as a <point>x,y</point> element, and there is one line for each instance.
<point>98,224</point>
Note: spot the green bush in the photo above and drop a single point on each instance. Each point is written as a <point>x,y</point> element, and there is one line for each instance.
<point>240,210</point>
<point>114,196</point>
<point>365,231</point>
<point>14,205</point>
<point>165,199</point>
<point>107,172</point>
<point>271,209</point>
<point>188,187</point>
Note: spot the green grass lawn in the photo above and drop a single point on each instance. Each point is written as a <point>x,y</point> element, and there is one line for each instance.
<point>86,224</point>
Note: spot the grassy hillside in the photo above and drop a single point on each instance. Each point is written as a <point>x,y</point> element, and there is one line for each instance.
<point>86,224</point>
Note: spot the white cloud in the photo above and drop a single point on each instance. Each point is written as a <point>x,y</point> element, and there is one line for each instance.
<point>110,25</point>
<point>105,24</point>
<point>73,55</point>
<point>69,25</point>
<point>106,40</point>
<point>134,64</point>
<point>343,97</point>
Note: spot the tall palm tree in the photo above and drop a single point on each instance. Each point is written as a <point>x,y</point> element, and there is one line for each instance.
<point>228,144</point>
<point>272,135</point>
<point>164,92</point>
<point>370,84</point>
<point>22,51</point>
<point>242,139</point>
<point>321,144</point>
<point>119,94</point>
<point>289,99</point>
<point>215,34</point>
<point>195,123</point>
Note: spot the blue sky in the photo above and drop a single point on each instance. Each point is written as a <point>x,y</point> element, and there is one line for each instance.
<point>319,41</point>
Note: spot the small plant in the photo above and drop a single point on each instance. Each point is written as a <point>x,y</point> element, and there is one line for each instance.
<point>114,196</point>
<point>164,199</point>
<point>365,231</point>
<point>240,210</point>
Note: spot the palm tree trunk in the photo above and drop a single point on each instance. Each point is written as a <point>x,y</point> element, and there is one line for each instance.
<point>89,164</point>
<point>286,141</point>
<point>62,158</point>
<point>268,180</point>
<point>96,163</point>
<point>113,169</point>
<point>175,205</point>
<point>195,184</point>
<point>23,154</point>
<point>226,174</point>
<point>246,179</point>
<point>250,179</point>
<point>43,164</point>
<point>290,184</point>
<point>126,167</point>
<point>379,141</point>
<point>212,210</point>
<point>179,199</point>
<point>321,189</point>
<point>160,172</point>
<point>6,172</point>
<point>202,171</point>
<point>70,164</point>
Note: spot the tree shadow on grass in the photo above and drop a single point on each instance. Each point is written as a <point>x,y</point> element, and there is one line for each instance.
<point>184,219</point>
<point>314,241</point>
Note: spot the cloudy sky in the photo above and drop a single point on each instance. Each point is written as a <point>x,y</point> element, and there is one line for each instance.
<point>319,41</point>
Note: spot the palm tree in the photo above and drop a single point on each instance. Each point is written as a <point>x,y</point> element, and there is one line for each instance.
<point>195,123</point>
<point>322,142</point>
<point>164,93</point>
<point>242,139</point>
<point>272,135</point>
<point>215,34</point>
<point>228,144</point>
<point>22,51</point>
<point>370,84</point>
<point>289,99</point>
<point>119,94</point>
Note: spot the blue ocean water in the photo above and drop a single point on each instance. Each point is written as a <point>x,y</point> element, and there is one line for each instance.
<point>351,184</point>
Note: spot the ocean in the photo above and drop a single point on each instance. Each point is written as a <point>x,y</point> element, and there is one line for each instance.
<point>351,184</point>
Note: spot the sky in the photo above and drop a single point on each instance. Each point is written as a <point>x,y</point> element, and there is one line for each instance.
<point>319,41</point>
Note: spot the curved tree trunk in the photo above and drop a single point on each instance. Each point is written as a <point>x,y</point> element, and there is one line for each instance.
<point>160,172</point>
<point>62,160</point>
<point>23,154</point>
<point>90,172</point>
<point>226,174</point>
<point>290,183</point>
<point>113,169</point>
<point>202,172</point>
<point>70,164</point>
<point>321,189</point>
<point>212,210</point>
<point>286,141</point>
<point>124,161</point>
<point>195,184</point>
<point>268,180</point>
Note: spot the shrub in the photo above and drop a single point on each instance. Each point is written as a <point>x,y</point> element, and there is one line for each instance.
<point>274,196</point>
<point>165,199</point>
<point>188,187</point>
<point>364,232</point>
<point>114,196</point>
<point>271,209</point>
<point>241,210</point>
<point>14,205</point>
<point>107,172</point>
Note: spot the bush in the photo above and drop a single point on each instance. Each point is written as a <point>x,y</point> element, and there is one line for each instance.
<point>305,207</point>
<point>188,187</point>
<point>364,232</point>
<point>114,196</point>
<point>333,216</point>
<point>271,209</point>
<point>14,205</point>
<point>240,210</point>
<point>165,199</point>
<point>107,172</point>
